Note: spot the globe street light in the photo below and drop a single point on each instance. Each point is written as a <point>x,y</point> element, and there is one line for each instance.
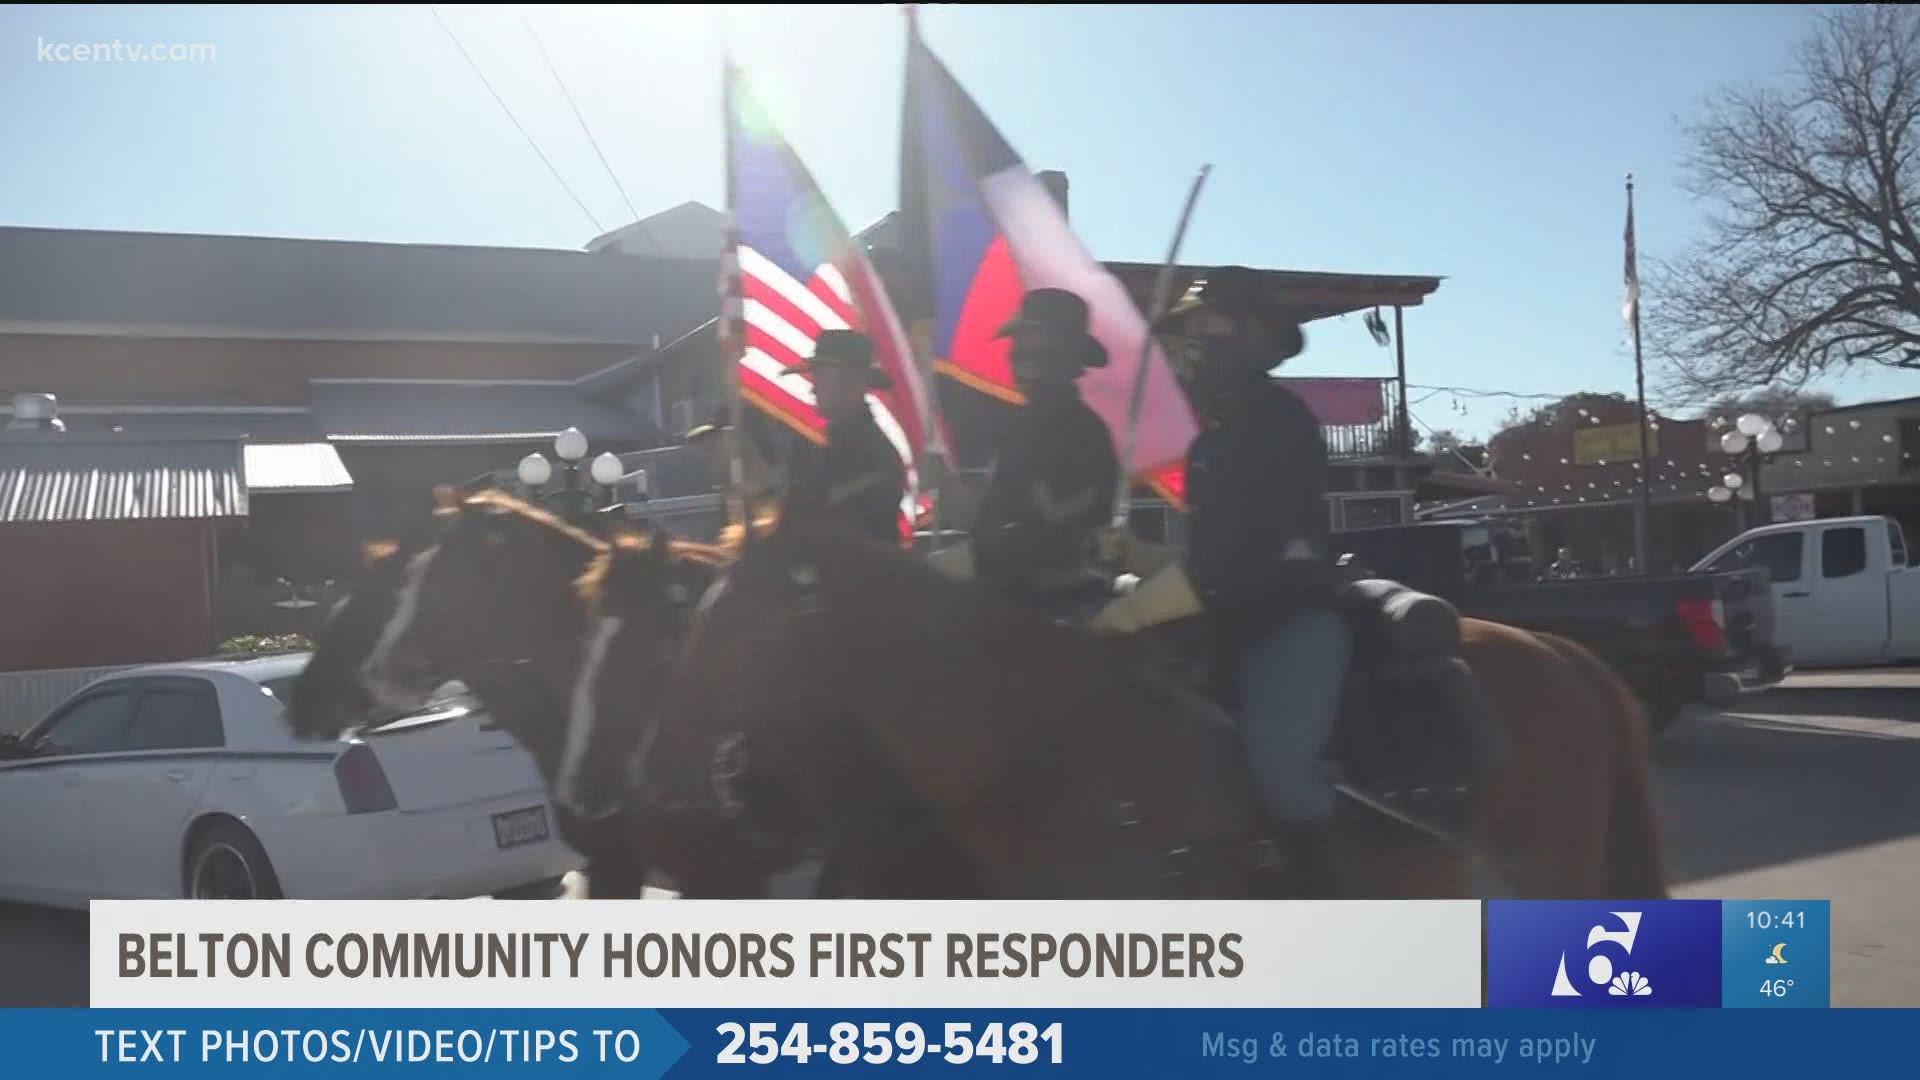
<point>1752,440</point>
<point>607,469</point>
<point>570,446</point>
<point>534,470</point>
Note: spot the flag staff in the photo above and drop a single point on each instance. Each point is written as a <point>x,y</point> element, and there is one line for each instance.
<point>937,465</point>
<point>1643,513</point>
<point>733,331</point>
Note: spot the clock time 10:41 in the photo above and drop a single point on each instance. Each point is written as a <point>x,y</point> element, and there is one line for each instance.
<point>1767,920</point>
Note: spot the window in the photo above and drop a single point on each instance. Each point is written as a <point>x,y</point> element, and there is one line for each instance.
<point>1778,553</point>
<point>1897,545</point>
<point>94,725</point>
<point>1372,513</point>
<point>176,715</point>
<point>1843,552</point>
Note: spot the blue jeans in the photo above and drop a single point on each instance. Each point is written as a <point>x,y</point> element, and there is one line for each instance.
<point>1290,688</point>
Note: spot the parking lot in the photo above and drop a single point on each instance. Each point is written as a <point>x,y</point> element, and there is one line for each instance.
<point>1805,792</point>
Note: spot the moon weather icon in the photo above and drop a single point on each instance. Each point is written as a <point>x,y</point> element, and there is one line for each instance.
<point>1779,954</point>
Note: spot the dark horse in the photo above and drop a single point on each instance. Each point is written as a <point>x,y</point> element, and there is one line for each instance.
<point>523,679</point>
<point>1031,760</point>
<point>837,694</point>
<point>508,582</point>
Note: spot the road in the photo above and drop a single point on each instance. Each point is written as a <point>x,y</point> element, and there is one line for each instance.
<point>1809,793</point>
<point>1804,792</point>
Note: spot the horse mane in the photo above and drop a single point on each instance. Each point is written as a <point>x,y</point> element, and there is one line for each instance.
<point>762,523</point>
<point>624,576</point>
<point>453,504</point>
<point>618,575</point>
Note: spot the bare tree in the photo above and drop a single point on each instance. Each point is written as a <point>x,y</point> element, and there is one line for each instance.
<point>1811,262</point>
<point>1773,402</point>
<point>1453,454</point>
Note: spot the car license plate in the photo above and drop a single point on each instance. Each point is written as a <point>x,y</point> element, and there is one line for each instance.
<point>516,827</point>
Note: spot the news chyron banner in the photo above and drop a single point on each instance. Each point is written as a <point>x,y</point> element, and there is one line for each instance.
<point>785,954</point>
<point>676,988</point>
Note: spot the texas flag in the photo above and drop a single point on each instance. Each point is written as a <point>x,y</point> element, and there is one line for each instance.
<point>794,271</point>
<point>991,232</point>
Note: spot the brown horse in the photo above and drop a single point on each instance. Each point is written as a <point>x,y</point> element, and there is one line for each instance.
<point>499,602</point>
<point>328,698</point>
<point>1036,761</point>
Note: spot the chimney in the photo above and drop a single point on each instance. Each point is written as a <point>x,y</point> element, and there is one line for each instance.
<point>1055,182</point>
<point>34,413</point>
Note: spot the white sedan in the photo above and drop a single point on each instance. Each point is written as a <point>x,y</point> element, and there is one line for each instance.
<point>184,780</point>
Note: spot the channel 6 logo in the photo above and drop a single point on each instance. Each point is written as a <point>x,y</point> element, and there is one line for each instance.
<point>1556,954</point>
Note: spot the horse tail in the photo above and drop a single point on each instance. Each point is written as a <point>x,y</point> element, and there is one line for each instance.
<point>1635,870</point>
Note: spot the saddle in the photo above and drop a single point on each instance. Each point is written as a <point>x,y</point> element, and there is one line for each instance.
<point>1416,732</point>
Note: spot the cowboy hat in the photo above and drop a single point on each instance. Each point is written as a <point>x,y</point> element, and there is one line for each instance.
<point>715,423</point>
<point>1236,292</point>
<point>1060,312</point>
<point>845,349</point>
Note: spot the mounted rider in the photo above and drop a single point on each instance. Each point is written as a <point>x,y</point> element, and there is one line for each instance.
<point>1257,549</point>
<point>1054,469</point>
<point>857,478</point>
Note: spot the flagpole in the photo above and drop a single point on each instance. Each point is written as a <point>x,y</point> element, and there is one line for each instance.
<point>733,336</point>
<point>1643,517</point>
<point>932,447</point>
<point>1162,285</point>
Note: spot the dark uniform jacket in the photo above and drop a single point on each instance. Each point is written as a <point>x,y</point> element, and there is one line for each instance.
<point>1051,490</point>
<point>856,479</point>
<point>1257,512</point>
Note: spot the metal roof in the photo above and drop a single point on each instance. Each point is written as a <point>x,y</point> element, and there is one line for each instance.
<point>59,479</point>
<point>285,467</point>
<point>440,412</point>
<point>141,424</point>
<point>175,285</point>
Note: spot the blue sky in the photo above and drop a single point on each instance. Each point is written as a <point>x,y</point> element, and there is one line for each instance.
<point>1484,145</point>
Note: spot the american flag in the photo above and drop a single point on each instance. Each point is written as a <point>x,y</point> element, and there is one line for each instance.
<point>792,271</point>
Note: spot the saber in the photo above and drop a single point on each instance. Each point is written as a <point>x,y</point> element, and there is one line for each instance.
<point>1514,873</point>
<point>1123,497</point>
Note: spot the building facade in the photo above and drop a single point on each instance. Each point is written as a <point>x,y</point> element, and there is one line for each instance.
<point>237,415</point>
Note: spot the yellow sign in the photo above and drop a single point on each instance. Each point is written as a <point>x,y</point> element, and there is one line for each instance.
<point>1614,442</point>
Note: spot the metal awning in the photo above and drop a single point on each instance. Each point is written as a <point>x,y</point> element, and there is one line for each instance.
<point>55,479</point>
<point>294,467</point>
<point>401,412</point>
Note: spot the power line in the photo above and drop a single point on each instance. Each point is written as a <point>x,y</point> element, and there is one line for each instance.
<point>1669,406</point>
<point>591,141</point>
<point>484,81</point>
<point>1477,469</point>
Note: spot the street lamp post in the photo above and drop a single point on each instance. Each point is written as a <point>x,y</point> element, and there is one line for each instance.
<point>1752,443</point>
<point>573,501</point>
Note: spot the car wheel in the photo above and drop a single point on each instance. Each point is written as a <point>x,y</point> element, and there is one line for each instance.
<point>225,862</point>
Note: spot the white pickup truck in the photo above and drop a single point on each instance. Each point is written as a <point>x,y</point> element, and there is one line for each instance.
<point>1843,594</point>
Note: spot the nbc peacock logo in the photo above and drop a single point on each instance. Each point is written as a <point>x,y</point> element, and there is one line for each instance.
<point>1603,954</point>
<point>1600,967</point>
